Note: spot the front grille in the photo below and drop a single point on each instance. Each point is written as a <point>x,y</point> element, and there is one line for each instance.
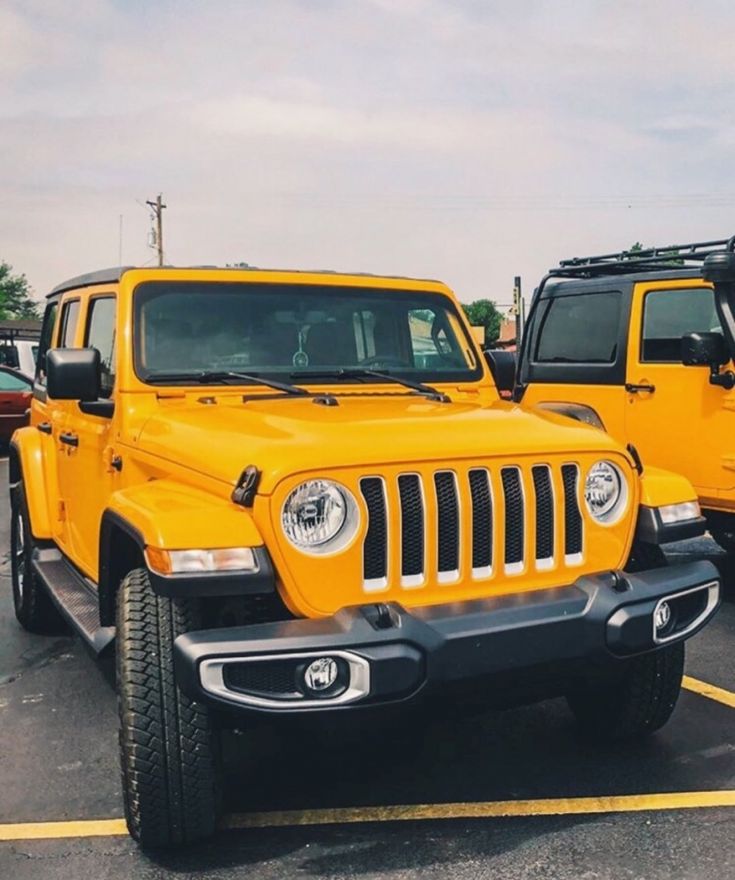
<point>412,530</point>
<point>478,523</point>
<point>572,514</point>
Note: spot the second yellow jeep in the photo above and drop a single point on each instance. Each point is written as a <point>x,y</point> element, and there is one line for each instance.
<point>642,344</point>
<point>283,493</point>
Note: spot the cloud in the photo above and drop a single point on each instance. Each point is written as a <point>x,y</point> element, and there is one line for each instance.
<point>467,140</point>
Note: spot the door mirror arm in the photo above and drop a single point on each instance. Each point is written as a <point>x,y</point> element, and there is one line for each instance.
<point>724,380</point>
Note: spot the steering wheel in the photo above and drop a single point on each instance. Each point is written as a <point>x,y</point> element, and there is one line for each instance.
<point>379,360</point>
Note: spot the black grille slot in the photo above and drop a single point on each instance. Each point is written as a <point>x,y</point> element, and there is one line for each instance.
<point>514,531</point>
<point>572,515</point>
<point>544,512</point>
<point>266,677</point>
<point>482,519</point>
<point>448,521</point>
<point>412,525</point>
<point>375,548</point>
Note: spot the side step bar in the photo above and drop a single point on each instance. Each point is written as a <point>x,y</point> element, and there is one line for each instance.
<point>76,601</point>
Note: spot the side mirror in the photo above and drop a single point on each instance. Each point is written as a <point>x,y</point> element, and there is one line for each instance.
<point>703,350</point>
<point>708,350</point>
<point>73,374</point>
<point>503,367</point>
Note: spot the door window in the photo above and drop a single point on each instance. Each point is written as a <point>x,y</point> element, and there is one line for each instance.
<point>580,329</point>
<point>101,335</point>
<point>69,318</point>
<point>670,314</point>
<point>44,343</point>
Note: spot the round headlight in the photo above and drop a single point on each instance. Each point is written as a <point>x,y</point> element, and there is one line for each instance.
<point>605,491</point>
<point>319,516</point>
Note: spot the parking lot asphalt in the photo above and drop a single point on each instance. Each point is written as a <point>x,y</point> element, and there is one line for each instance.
<point>396,800</point>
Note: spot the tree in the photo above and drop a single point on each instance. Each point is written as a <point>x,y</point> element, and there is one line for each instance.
<point>483,313</point>
<point>15,295</point>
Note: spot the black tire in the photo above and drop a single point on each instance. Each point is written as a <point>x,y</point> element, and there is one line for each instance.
<point>644,557</point>
<point>635,706</point>
<point>168,743</point>
<point>34,608</point>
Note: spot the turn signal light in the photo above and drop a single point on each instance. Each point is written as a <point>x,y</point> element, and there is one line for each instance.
<point>201,561</point>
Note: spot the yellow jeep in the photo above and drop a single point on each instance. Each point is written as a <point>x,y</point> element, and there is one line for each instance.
<point>284,493</point>
<point>641,343</point>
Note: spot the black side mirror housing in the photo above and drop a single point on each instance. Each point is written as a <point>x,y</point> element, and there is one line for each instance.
<point>73,374</point>
<point>703,350</point>
<point>503,367</point>
<point>708,350</point>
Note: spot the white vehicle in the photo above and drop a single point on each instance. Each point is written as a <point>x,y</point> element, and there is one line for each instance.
<point>21,355</point>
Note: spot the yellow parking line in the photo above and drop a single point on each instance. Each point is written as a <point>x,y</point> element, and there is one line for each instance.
<point>709,691</point>
<point>63,830</point>
<point>411,812</point>
<point>488,809</point>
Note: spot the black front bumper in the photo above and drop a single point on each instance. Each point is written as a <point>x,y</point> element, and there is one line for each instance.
<point>596,623</point>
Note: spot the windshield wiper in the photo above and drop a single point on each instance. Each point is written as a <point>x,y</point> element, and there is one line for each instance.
<point>206,377</point>
<point>363,373</point>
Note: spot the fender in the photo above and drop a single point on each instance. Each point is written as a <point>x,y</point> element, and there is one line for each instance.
<point>165,514</point>
<point>27,462</point>
<point>661,488</point>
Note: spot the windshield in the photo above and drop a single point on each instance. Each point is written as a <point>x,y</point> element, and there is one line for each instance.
<point>285,331</point>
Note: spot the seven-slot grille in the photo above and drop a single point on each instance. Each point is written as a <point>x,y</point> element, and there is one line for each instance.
<point>507,521</point>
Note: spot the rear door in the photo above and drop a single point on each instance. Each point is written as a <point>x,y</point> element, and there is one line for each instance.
<point>575,349</point>
<point>674,417</point>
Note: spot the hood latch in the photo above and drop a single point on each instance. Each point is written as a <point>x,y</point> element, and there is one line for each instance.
<point>247,487</point>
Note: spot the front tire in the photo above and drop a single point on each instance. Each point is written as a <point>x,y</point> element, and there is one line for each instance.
<point>34,608</point>
<point>168,743</point>
<point>635,706</point>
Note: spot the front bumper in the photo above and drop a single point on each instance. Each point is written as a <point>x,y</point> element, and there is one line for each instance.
<point>388,654</point>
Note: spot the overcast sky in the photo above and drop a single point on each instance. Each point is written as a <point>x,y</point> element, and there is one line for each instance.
<point>468,141</point>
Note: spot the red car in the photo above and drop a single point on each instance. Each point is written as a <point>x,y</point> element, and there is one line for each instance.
<point>15,402</point>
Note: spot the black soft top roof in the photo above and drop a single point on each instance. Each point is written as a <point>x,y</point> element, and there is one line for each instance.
<point>557,285</point>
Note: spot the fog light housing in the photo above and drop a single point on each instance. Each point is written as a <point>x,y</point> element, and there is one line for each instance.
<point>325,677</point>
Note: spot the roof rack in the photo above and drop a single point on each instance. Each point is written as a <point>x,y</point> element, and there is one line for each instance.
<point>625,262</point>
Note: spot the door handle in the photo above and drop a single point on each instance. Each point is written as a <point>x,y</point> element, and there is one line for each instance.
<point>45,428</point>
<point>69,439</point>
<point>635,389</point>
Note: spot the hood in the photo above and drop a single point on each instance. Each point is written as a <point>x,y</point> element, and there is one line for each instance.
<point>286,436</point>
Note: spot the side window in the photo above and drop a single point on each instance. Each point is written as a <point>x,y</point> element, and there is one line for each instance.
<point>69,318</point>
<point>669,314</point>
<point>581,329</point>
<point>44,343</point>
<point>101,335</point>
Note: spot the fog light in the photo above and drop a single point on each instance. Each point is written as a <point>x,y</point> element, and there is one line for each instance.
<point>662,616</point>
<point>321,674</point>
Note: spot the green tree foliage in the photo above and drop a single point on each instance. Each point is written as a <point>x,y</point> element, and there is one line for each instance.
<point>15,295</point>
<point>483,313</point>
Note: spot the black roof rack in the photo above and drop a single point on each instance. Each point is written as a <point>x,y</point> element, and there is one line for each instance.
<point>627,262</point>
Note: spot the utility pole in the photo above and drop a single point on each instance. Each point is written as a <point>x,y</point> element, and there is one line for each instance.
<point>157,208</point>
<point>518,307</point>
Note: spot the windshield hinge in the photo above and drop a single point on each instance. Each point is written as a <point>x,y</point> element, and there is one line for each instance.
<point>247,487</point>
